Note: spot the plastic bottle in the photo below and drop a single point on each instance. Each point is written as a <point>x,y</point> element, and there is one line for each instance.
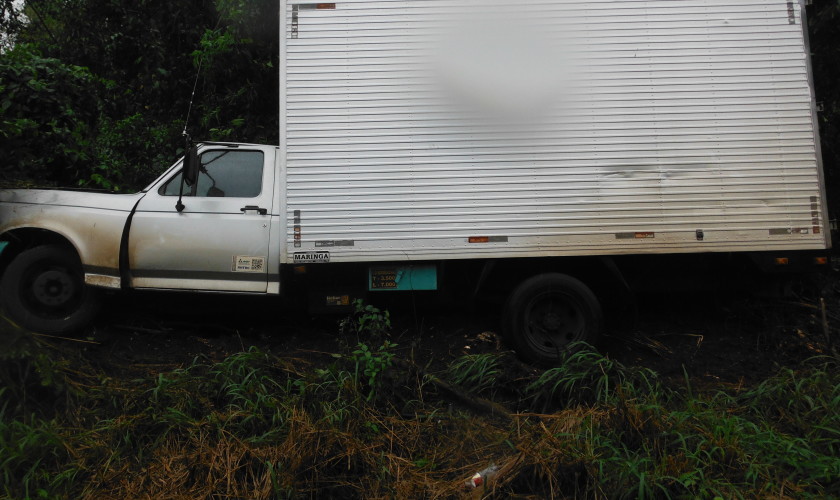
<point>479,479</point>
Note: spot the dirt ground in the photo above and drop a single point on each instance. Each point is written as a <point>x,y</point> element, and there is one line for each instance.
<point>714,339</point>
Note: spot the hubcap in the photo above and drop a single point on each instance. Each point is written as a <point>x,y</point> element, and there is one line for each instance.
<point>553,322</point>
<point>53,288</point>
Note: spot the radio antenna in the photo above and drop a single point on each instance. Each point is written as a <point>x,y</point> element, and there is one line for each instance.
<point>179,206</point>
<point>192,97</point>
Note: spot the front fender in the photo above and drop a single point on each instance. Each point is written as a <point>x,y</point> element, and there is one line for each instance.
<point>94,232</point>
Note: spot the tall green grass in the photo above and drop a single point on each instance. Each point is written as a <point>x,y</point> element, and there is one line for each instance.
<point>652,441</point>
<point>476,372</point>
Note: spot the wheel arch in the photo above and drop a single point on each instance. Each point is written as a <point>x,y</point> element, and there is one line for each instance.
<point>23,238</point>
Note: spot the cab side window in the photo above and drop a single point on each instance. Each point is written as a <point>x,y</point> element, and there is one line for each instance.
<point>223,173</point>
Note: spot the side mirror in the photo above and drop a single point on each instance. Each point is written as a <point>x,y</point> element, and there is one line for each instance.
<point>191,166</point>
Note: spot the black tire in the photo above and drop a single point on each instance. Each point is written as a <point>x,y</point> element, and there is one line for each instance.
<point>43,290</point>
<point>547,313</point>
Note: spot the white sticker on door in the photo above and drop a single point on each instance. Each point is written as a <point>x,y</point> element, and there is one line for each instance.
<point>246,264</point>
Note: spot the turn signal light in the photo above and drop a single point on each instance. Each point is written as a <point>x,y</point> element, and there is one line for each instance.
<point>820,261</point>
<point>782,261</point>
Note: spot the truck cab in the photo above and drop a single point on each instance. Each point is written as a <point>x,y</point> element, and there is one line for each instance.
<point>226,238</point>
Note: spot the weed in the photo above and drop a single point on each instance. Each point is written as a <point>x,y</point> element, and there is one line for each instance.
<point>34,459</point>
<point>585,376</point>
<point>367,323</point>
<point>335,396</point>
<point>372,364</point>
<point>476,372</point>
<point>31,380</point>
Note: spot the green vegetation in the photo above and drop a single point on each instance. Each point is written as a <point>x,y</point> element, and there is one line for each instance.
<point>478,373</point>
<point>95,93</point>
<point>367,321</point>
<point>255,425</point>
<point>588,377</point>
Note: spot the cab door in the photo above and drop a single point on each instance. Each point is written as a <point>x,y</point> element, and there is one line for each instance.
<point>220,240</point>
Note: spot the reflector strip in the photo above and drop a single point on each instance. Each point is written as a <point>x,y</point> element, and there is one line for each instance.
<point>488,239</point>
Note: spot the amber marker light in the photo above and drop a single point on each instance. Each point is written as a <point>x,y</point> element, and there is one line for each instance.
<point>820,261</point>
<point>479,239</point>
<point>782,261</point>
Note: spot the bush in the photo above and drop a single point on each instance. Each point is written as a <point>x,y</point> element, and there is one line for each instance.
<point>48,117</point>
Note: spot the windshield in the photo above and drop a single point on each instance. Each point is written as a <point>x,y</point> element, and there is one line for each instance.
<point>165,173</point>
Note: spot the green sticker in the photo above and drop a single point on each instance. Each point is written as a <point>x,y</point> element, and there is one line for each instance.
<point>402,278</point>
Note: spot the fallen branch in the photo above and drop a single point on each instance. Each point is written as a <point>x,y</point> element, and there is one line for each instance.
<point>825,327</point>
<point>814,308</point>
<point>471,401</point>
<point>140,329</point>
<point>66,338</point>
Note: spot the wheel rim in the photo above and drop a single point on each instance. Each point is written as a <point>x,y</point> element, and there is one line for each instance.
<point>553,321</point>
<point>51,291</point>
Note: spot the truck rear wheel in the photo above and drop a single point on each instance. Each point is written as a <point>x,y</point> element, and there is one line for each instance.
<point>43,290</point>
<point>546,314</point>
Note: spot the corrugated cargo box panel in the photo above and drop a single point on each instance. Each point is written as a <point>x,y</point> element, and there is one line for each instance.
<point>427,129</point>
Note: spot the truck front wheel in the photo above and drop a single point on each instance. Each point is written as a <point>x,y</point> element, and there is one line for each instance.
<point>546,314</point>
<point>43,290</point>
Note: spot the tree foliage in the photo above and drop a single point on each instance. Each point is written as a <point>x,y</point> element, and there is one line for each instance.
<point>11,21</point>
<point>824,30</point>
<point>95,92</point>
<point>49,115</point>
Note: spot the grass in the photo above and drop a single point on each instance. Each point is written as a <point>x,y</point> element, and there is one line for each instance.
<point>255,425</point>
<point>586,376</point>
<point>476,372</point>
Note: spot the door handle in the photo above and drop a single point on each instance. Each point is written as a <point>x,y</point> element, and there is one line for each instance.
<point>262,211</point>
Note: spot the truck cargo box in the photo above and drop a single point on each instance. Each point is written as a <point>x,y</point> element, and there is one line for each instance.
<point>442,129</point>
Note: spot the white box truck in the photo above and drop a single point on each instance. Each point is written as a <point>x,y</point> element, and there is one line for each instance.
<point>556,154</point>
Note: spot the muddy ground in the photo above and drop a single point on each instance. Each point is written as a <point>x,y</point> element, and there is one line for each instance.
<point>716,339</point>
